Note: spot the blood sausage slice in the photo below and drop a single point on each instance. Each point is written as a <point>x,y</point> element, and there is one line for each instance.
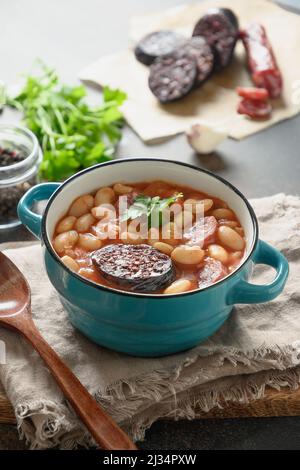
<point>220,29</point>
<point>140,268</point>
<point>157,44</point>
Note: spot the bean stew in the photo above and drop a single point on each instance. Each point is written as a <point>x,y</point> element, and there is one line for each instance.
<point>150,237</point>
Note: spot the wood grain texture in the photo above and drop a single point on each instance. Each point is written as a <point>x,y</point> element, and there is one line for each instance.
<point>7,415</point>
<point>275,403</point>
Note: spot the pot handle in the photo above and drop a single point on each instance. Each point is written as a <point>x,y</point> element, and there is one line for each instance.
<point>245,293</point>
<point>31,220</point>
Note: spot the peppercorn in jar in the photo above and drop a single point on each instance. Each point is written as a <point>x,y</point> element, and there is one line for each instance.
<point>20,157</point>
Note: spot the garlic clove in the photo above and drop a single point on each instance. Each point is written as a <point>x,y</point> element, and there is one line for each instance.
<point>205,139</point>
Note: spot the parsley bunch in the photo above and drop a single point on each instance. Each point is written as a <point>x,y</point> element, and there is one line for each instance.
<point>72,134</point>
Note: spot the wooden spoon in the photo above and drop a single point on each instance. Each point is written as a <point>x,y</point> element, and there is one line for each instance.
<point>15,313</point>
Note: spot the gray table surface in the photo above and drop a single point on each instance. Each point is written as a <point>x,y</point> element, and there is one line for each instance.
<point>68,35</point>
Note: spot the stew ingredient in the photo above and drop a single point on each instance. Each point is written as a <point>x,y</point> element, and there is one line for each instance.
<point>261,60</point>
<point>220,28</point>
<point>172,76</point>
<point>158,44</point>
<point>255,109</point>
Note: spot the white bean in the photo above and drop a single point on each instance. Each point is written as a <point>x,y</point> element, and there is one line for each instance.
<point>106,230</point>
<point>81,205</point>
<point>100,212</point>
<point>222,204</point>
<point>70,263</point>
<point>84,222</point>
<point>70,252</point>
<point>120,188</point>
<point>181,285</point>
<point>184,254</point>
<point>163,247</point>
<point>228,223</point>
<point>105,196</point>
<point>66,224</point>
<point>89,200</point>
<point>207,204</point>
<point>87,272</point>
<point>189,204</point>
<point>235,256</point>
<point>223,214</point>
<point>89,242</point>
<point>218,252</point>
<point>240,231</point>
<point>230,238</point>
<point>198,205</point>
<point>65,241</point>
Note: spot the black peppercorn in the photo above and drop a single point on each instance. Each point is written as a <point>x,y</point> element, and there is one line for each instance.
<point>10,196</point>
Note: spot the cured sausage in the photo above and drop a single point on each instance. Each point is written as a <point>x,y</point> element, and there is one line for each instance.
<point>141,268</point>
<point>202,232</point>
<point>172,77</point>
<point>212,271</point>
<point>261,59</point>
<point>220,29</point>
<point>157,44</point>
<point>255,109</point>
<point>252,93</point>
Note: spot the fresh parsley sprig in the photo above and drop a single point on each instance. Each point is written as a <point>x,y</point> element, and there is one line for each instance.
<point>72,134</point>
<point>152,207</point>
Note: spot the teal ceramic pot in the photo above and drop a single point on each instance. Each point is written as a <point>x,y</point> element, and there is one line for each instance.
<point>148,324</point>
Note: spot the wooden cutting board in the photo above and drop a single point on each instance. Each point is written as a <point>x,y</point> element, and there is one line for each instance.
<point>275,403</point>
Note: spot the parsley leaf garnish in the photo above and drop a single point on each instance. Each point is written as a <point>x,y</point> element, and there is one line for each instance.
<point>152,207</point>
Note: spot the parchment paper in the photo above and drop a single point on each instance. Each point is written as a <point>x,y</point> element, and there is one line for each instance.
<point>215,103</point>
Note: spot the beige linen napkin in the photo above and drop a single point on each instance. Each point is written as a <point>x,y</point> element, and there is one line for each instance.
<point>215,103</point>
<point>259,345</point>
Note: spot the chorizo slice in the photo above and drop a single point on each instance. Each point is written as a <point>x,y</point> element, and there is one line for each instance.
<point>253,93</point>
<point>203,232</point>
<point>139,268</point>
<point>212,271</point>
<point>256,109</point>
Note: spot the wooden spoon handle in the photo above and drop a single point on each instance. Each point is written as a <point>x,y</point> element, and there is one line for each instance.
<point>102,427</point>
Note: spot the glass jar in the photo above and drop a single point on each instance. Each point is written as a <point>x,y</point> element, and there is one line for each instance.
<point>19,144</point>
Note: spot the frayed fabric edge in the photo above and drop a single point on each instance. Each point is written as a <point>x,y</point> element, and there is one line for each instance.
<point>47,424</point>
<point>192,407</point>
